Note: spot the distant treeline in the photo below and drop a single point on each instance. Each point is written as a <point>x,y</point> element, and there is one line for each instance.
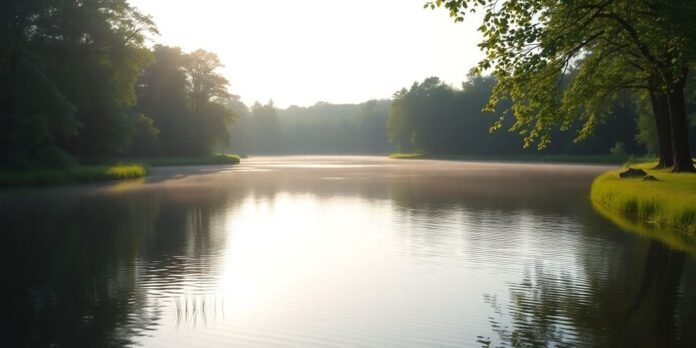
<point>434,118</point>
<point>77,81</point>
<point>319,129</point>
<point>430,117</point>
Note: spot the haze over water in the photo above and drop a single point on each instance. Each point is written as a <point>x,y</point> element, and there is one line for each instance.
<point>337,251</point>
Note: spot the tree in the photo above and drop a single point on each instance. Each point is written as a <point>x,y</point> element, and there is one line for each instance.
<point>204,83</point>
<point>98,52</point>
<point>184,95</point>
<point>33,110</point>
<point>67,76</point>
<point>207,90</point>
<point>531,44</point>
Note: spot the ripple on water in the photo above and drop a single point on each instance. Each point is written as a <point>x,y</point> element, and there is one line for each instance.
<point>358,252</point>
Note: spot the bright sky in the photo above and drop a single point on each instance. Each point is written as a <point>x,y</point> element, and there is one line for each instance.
<point>299,52</point>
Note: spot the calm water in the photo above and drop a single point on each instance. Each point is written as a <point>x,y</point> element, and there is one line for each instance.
<point>337,251</point>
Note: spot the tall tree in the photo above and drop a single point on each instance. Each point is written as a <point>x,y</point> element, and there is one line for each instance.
<point>98,60</point>
<point>184,95</point>
<point>530,44</point>
<point>67,76</point>
<point>34,112</point>
<point>205,83</point>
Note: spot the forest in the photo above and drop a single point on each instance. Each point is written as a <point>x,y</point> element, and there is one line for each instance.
<point>78,81</point>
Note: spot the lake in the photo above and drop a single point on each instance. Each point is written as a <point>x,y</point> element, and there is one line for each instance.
<point>337,252</point>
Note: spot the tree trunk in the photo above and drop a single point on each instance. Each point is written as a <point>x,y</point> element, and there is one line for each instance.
<point>660,108</point>
<point>680,128</point>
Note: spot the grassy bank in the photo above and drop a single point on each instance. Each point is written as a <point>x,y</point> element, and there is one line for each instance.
<point>105,170</point>
<point>675,238</point>
<point>669,202</point>
<point>607,159</point>
<point>74,175</point>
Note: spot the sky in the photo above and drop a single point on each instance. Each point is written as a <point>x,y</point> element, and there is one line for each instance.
<point>301,52</point>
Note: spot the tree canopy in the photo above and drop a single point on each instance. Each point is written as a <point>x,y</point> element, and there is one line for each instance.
<point>78,80</point>
<point>531,46</point>
<point>67,76</point>
<point>185,97</point>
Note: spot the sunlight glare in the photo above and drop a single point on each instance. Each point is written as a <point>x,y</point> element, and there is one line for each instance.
<point>305,51</point>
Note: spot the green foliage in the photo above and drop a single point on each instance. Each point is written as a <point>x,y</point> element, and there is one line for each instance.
<point>67,76</point>
<point>669,202</point>
<point>531,46</point>
<point>204,83</point>
<point>185,98</point>
<point>437,119</point>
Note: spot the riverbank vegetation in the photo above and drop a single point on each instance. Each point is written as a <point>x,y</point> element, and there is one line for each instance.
<point>72,175</point>
<point>670,201</point>
<point>105,170</point>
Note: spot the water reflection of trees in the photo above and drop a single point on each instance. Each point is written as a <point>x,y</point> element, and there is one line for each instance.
<point>76,264</point>
<point>643,300</point>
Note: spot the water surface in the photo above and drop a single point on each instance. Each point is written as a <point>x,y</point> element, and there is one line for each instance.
<point>337,252</point>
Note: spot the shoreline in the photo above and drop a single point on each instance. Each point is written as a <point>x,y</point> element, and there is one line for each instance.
<point>588,159</point>
<point>668,203</point>
<point>104,171</point>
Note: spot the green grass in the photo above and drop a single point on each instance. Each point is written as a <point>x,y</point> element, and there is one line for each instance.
<point>190,161</point>
<point>74,175</point>
<point>669,202</point>
<point>104,170</point>
<point>519,158</point>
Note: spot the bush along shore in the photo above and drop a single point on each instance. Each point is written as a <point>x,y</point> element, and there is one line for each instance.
<point>104,170</point>
<point>654,196</point>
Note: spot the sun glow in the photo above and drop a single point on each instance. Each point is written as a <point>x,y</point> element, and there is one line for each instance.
<point>301,52</point>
